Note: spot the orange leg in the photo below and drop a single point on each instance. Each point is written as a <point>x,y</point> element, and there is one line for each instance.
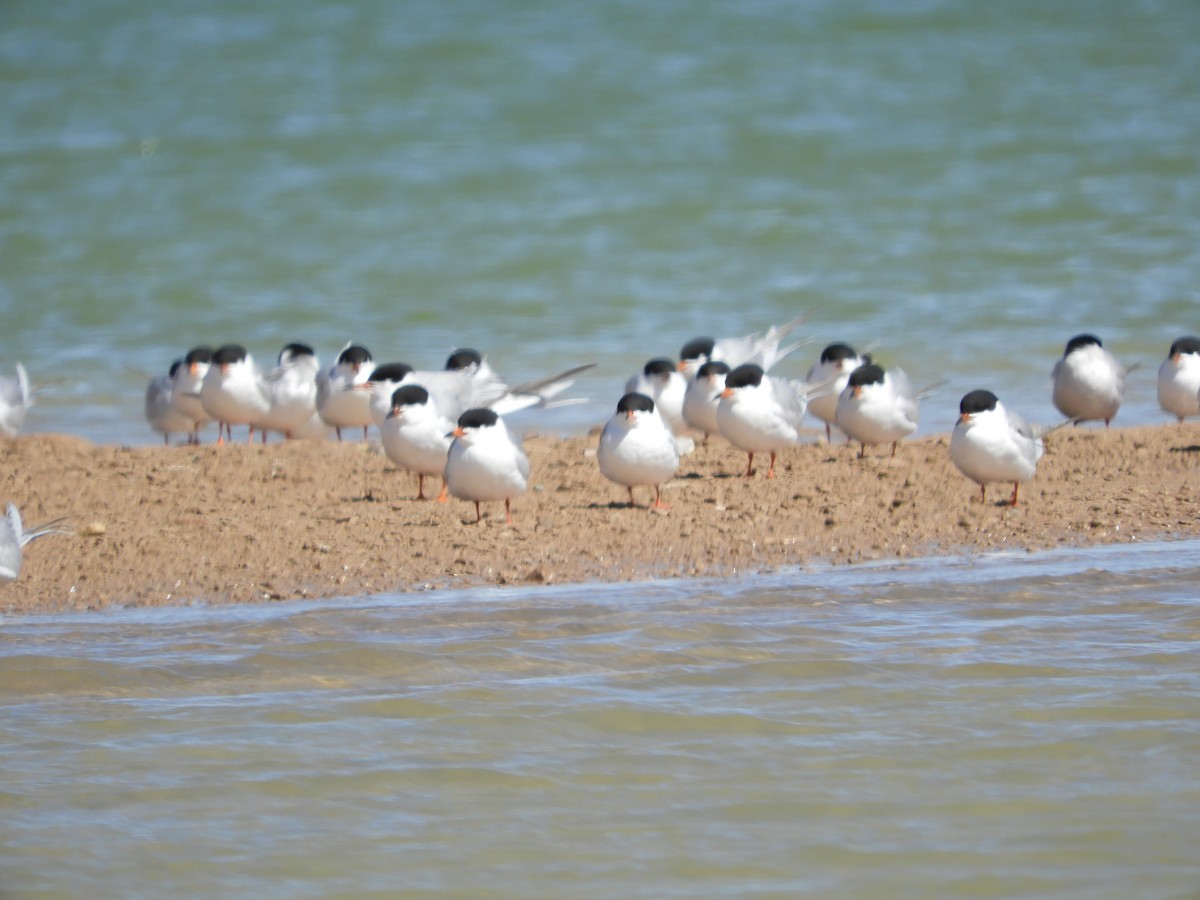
<point>771,468</point>
<point>508,511</point>
<point>1013,502</point>
<point>658,504</point>
<point>750,465</point>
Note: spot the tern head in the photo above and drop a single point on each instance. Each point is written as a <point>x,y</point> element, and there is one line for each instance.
<point>1080,341</point>
<point>713,368</point>
<point>474,420</point>
<point>633,403</point>
<point>864,376</point>
<point>198,360</point>
<point>408,395</point>
<point>1184,345</point>
<point>838,353</point>
<point>388,373</point>
<point>228,355</point>
<point>464,358</point>
<point>695,350</point>
<point>974,403</point>
<point>354,356</point>
<point>746,375</point>
<point>660,367</point>
<point>294,352</point>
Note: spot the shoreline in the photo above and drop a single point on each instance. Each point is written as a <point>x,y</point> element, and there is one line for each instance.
<point>156,526</point>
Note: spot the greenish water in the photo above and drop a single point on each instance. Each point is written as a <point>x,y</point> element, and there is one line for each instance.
<point>1009,726</point>
<point>970,184</point>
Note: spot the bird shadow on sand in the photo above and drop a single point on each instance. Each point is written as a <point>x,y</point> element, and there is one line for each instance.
<point>1194,448</point>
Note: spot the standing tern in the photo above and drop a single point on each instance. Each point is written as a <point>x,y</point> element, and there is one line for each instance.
<point>485,463</point>
<point>1179,379</point>
<point>759,413</point>
<point>637,447</point>
<point>1089,383</point>
<point>991,444</point>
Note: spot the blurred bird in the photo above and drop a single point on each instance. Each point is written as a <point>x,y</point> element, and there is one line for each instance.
<point>338,405</point>
<point>485,463</point>
<point>1179,379</point>
<point>160,409</point>
<point>185,389</point>
<point>1089,383</point>
<point>637,447</point>
<point>761,348</point>
<point>661,381</point>
<point>702,396</point>
<point>234,392</point>
<point>15,398</point>
<point>292,392</point>
<point>455,390</point>
<point>836,363</point>
<point>13,536</point>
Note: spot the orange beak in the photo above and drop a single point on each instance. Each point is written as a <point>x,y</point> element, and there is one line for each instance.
<point>728,392</point>
<point>965,417</point>
<point>194,369</point>
<point>457,432</point>
<point>224,368</point>
<point>856,390</point>
<point>681,365</point>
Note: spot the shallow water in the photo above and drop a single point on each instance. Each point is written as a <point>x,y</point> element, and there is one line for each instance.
<point>998,726</point>
<point>968,184</point>
<point>553,183</point>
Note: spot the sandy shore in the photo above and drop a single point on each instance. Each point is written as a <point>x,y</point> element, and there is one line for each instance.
<point>173,525</point>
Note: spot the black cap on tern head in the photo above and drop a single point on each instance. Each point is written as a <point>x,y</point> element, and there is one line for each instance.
<point>391,372</point>
<point>464,358</point>
<point>744,376</point>
<point>713,367</point>
<point>229,353</point>
<point>659,366</point>
<point>837,352</point>
<point>354,355</point>
<point>292,351</point>
<point>977,402</point>
<point>868,374</point>
<point>1187,344</point>
<point>697,347</point>
<point>477,418</point>
<point>634,402</point>
<point>1081,340</point>
<point>201,354</point>
<point>410,395</point>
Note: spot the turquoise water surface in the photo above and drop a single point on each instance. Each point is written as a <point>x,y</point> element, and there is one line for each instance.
<point>966,184</point>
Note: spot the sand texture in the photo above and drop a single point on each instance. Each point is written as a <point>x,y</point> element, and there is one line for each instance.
<point>174,525</point>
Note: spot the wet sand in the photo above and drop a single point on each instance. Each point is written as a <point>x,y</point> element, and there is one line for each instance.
<point>235,524</point>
